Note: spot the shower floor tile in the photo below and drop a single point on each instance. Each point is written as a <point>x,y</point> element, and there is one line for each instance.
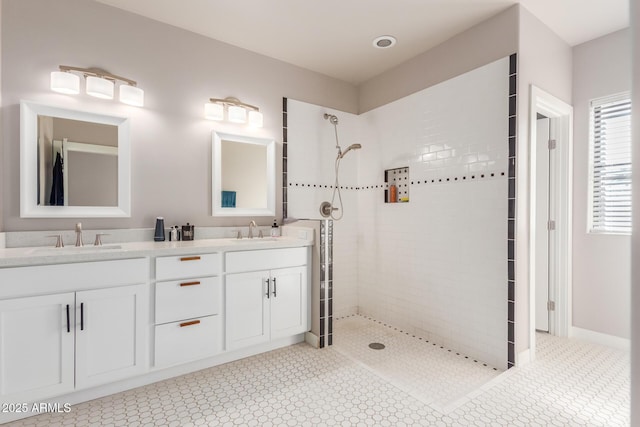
<point>571,383</point>
<point>432,374</point>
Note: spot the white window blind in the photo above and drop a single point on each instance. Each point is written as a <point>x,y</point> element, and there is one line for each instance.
<point>611,164</point>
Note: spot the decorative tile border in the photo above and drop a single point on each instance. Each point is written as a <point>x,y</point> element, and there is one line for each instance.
<point>383,186</point>
<point>511,215</point>
<point>285,156</point>
<point>326,283</point>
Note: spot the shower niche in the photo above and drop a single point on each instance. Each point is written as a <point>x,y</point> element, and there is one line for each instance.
<point>396,185</point>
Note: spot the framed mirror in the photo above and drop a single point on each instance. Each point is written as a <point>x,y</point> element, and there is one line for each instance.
<point>243,175</point>
<point>73,164</point>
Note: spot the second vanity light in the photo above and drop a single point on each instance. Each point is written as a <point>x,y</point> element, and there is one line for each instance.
<point>99,84</point>
<point>237,111</point>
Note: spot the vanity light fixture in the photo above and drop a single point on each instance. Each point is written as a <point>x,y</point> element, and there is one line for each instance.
<point>237,111</point>
<point>99,83</point>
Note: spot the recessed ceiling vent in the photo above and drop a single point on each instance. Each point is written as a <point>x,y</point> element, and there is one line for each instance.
<point>384,42</point>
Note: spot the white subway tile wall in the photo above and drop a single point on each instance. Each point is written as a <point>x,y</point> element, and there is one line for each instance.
<point>436,266</point>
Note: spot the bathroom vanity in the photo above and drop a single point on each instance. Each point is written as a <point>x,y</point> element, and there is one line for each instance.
<point>80,323</point>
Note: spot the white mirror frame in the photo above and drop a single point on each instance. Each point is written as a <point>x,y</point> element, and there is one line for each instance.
<point>29,207</point>
<point>216,175</point>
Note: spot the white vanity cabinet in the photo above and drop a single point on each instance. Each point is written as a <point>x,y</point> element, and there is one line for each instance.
<point>89,326</point>
<point>61,342</point>
<point>188,309</point>
<point>111,329</point>
<point>37,351</point>
<point>269,299</point>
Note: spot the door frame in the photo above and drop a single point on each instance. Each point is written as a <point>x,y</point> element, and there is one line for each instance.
<point>561,126</point>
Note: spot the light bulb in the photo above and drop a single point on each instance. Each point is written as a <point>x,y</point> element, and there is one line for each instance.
<point>99,87</point>
<point>237,114</point>
<point>65,83</point>
<point>255,119</point>
<point>213,111</point>
<point>131,95</point>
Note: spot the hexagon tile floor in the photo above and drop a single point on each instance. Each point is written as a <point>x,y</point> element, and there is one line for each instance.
<point>570,383</point>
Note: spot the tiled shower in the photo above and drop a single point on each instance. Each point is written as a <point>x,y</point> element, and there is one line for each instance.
<point>435,265</point>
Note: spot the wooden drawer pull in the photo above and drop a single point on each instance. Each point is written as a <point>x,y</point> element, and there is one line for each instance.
<point>190,258</point>
<point>189,284</point>
<point>193,322</point>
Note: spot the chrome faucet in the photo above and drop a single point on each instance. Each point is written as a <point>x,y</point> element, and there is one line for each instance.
<point>252,225</point>
<point>79,234</point>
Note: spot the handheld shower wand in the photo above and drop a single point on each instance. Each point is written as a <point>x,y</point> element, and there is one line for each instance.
<point>349,148</point>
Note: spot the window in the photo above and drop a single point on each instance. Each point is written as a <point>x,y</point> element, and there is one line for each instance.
<point>610,168</point>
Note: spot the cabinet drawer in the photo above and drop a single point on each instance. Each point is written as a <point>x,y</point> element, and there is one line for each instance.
<point>267,259</point>
<point>59,278</point>
<point>186,299</point>
<point>193,339</point>
<point>178,267</point>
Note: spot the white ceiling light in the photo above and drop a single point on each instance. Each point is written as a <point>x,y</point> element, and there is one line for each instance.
<point>384,42</point>
<point>99,83</point>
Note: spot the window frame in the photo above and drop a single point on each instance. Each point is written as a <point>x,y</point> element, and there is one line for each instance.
<point>593,225</point>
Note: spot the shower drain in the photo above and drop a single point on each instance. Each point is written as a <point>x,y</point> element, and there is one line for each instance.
<point>376,346</point>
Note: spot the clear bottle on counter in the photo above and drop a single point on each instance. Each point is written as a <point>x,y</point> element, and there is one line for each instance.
<point>275,230</point>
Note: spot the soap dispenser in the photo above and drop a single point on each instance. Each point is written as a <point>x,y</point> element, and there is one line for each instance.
<point>275,230</point>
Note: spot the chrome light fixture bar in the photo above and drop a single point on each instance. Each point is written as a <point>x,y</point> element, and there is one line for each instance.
<point>237,111</point>
<point>99,83</point>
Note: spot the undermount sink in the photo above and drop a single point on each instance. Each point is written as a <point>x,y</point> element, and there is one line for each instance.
<point>73,249</point>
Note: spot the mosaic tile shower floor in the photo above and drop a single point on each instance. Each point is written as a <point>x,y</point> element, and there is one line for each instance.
<point>570,383</point>
<point>433,374</point>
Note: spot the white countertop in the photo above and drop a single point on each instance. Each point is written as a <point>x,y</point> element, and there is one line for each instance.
<point>41,255</point>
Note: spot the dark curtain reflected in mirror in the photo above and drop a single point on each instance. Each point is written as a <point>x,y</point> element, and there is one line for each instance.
<point>77,163</point>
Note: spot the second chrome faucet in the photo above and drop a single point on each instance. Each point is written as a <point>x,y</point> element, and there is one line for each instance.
<point>252,225</point>
<point>79,234</point>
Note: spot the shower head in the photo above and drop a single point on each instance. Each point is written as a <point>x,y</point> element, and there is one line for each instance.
<point>349,148</point>
<point>332,119</point>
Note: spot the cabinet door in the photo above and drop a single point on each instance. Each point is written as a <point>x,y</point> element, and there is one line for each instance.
<point>288,301</point>
<point>111,334</point>
<point>247,309</point>
<point>36,354</point>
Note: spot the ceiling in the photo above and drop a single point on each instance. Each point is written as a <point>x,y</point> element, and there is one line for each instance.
<point>334,37</point>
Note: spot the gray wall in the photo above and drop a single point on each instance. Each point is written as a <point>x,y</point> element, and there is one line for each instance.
<point>178,70</point>
<point>602,262</point>
<point>1,139</point>
<point>486,42</point>
<point>635,292</point>
<point>544,60</point>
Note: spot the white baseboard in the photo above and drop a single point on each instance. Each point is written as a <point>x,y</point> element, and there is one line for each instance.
<point>2,241</point>
<point>600,338</point>
<point>312,339</point>
<point>523,358</point>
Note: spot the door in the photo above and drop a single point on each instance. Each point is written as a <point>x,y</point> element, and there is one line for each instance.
<point>36,355</point>
<point>111,331</point>
<point>247,297</point>
<point>542,227</point>
<point>288,301</point>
